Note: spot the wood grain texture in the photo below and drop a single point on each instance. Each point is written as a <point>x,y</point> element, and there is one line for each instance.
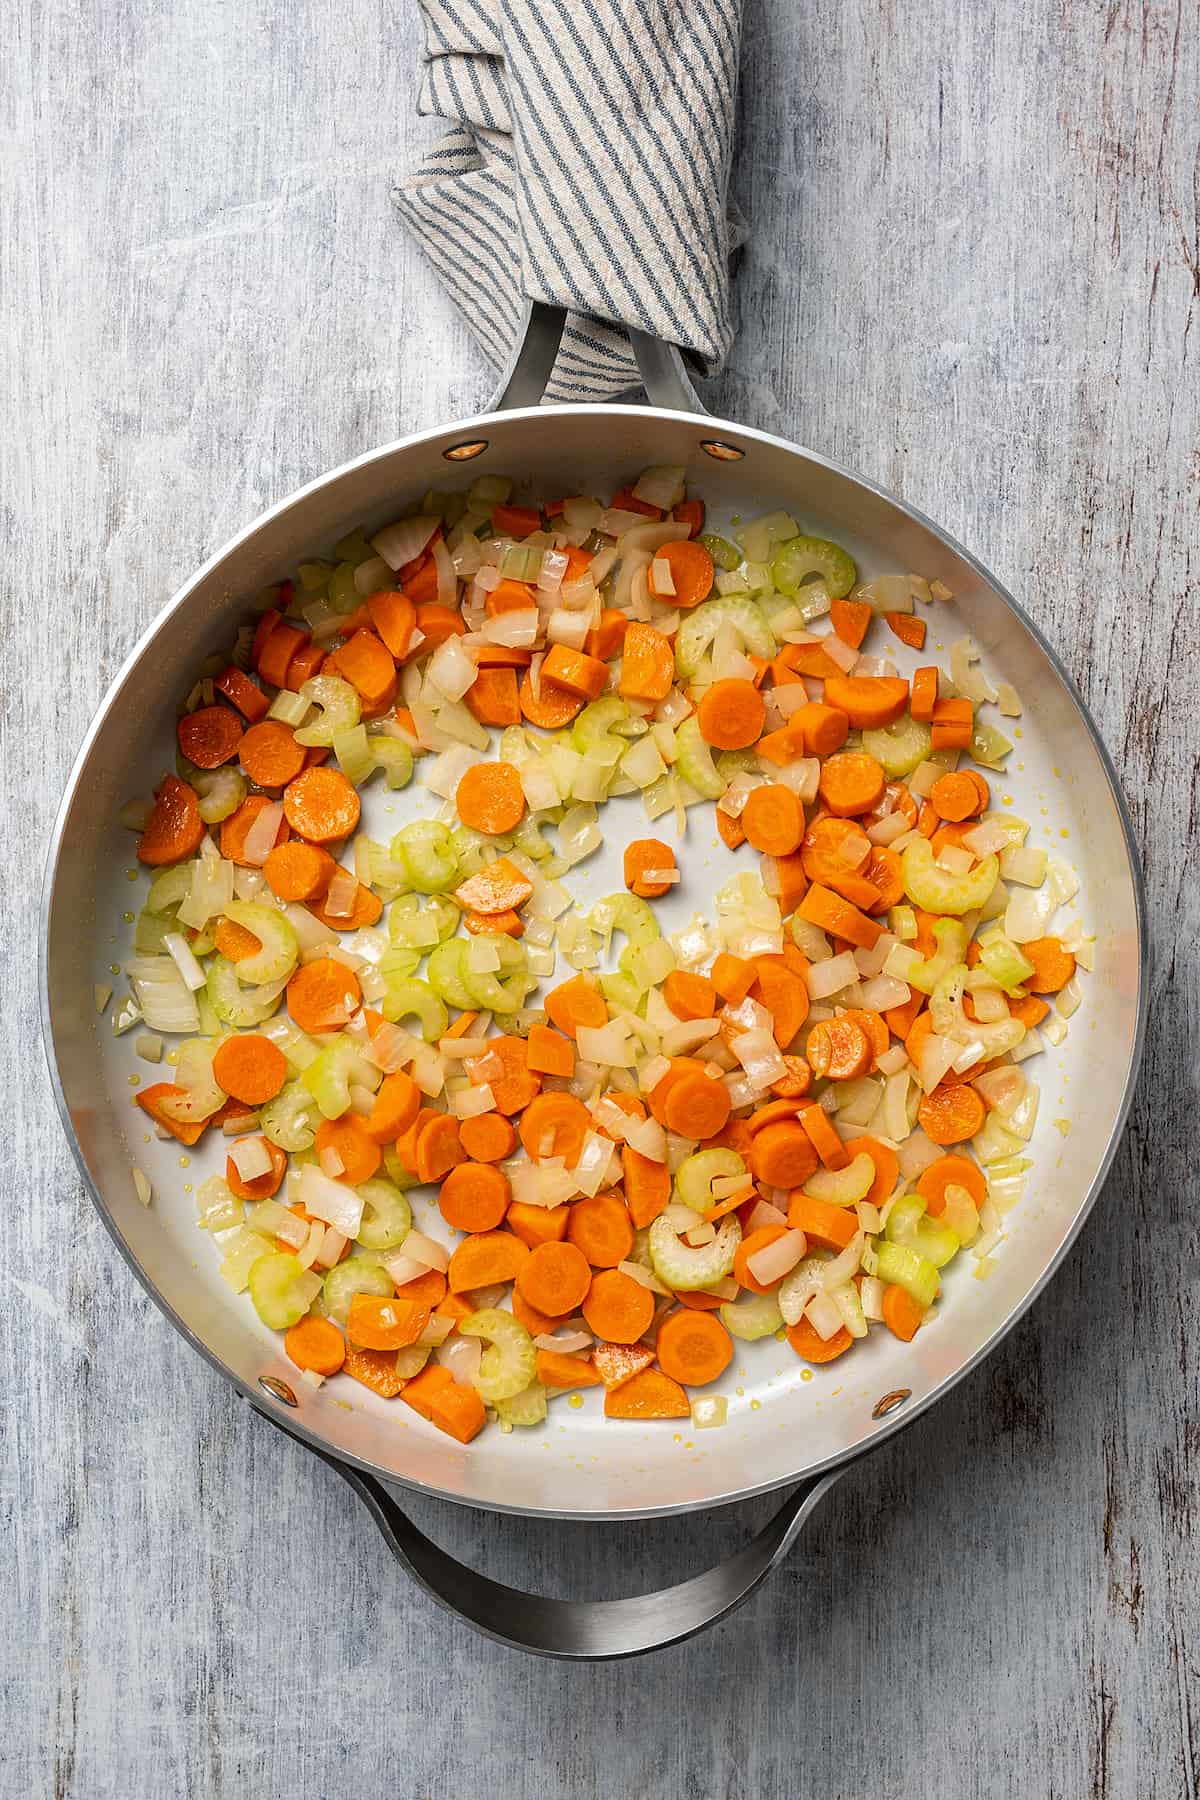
<point>974,274</point>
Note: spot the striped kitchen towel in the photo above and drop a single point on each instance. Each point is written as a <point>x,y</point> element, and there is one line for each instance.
<point>585,165</point>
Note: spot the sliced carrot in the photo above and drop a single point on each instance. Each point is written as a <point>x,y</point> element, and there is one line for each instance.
<point>796,660</point>
<point>773,819</point>
<point>458,1411</point>
<point>690,996</point>
<point>492,697</point>
<point>618,1363</point>
<point>908,628</point>
<point>697,1106</point>
<point>174,828</point>
<point>647,1186</point>
<point>266,625</point>
<point>605,639</point>
<point>576,1002</point>
<point>554,1370</point>
<point>353,1146</point>
<point>816,1124</point>
<point>850,620</point>
<point>824,728</point>
<point>321,805</point>
<point>693,1348</point>
<point>488,1137</point>
<point>536,1225</point>
<point>234,942</point>
<point>618,1308</point>
<point>691,573</point>
<point>422,1390</point>
<point>731,714</point>
<point>304,665</point>
<point>1053,966</point>
<point>250,1068</point>
<point>839,1049</point>
<point>439,1148</point>
<point>644,859</point>
<point>490,798</point>
<point>498,887</point>
<point>486,1259</point>
<point>808,1343</point>
<point>537,1324</point>
<point>733,977</point>
<point>549,1052</point>
<point>509,596</point>
<point>516,1085</point>
<point>648,1395</point>
<point>946,1172</point>
<point>874,1027</point>
<point>750,1246</point>
<point>785,996</point>
<point>554,1278</point>
<point>323,995</point>
<point>474,1196</point>
<point>150,1100</point>
<point>884,872</point>
<point>691,514</point>
<point>395,619</point>
<point>1030,1011</point>
<point>851,783</point>
<point>647,664</point>
<point>507,924</point>
<point>730,831</point>
<point>829,911</point>
<point>887,1166</point>
<point>924,693</point>
<point>952,1113</point>
<point>868,701</point>
<point>374,1323</point>
<point>821,1222</point>
<point>784,746</point>
<point>600,1227</point>
<point>501,656</point>
<point>243,693</point>
<point>376,1369</point>
<point>576,671</point>
<point>428,1288</point>
<point>317,1344</point>
<point>781,1155</point>
<point>299,871</point>
<point>901,1313</point>
<point>555,1125</point>
<point>795,1084</point>
<point>273,658</point>
<point>368,665</point>
<point>658,1096</point>
<point>955,796</point>
<point>551,707</point>
<point>953,724</point>
<point>260,1187</point>
<point>515,521</point>
<point>366,908</point>
<point>236,828</point>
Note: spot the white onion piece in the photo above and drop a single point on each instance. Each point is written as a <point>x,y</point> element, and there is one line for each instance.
<point>516,630</point>
<point>824,1316</point>
<point>883,991</point>
<point>765,1214</point>
<point>564,1343</point>
<point>936,1059</point>
<point>648,1138</point>
<point>404,541</point>
<point>451,669</point>
<point>447,576</point>
<point>462,1356</point>
<point>688,1035</point>
<point>777,1258</point>
<point>251,1158</point>
<point>844,1265</point>
<point>427,1251</point>
<point>760,1056</point>
<point>260,839</point>
<point>331,1201</point>
<point>181,954</point>
<point>970,681</point>
<point>341,895</point>
<point>986,838</point>
<point>644,1277</point>
<point>888,829</point>
<point>832,975</point>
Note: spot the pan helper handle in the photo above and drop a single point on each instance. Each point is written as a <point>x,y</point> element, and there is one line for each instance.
<point>582,179</point>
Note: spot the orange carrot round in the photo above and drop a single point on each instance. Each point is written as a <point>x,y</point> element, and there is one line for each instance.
<point>317,1344</point>
<point>648,663</point>
<point>693,1348</point>
<point>551,707</point>
<point>1053,966</point>
<point>536,1225</point>
<point>234,942</point>
<point>555,1125</point>
<point>644,857</point>
<point>262,1186</point>
<point>795,1084</point>
<point>834,847</point>
<point>781,1155</point>
<point>474,1196</point>
<point>366,908</point>
<point>321,805</point>
<point>955,796</point>
<point>601,1228</point>
<point>824,728</point>
<point>516,1086</point>
<point>952,1113</point>
<point>731,715</point>
<point>785,996</point>
<point>439,1148</point>
<point>689,996</point>
<point>901,1313</point>
<point>773,819</point>
<point>488,1137</point>
<point>174,828</point>
<point>946,1172</point>
<point>299,871</point>
<point>691,569</point>
<point>883,871</point>
<point>397,1103</point>
<point>270,754</point>
<point>210,736</point>
<point>555,1278</point>
<point>868,701</point>
<point>574,1003</point>
<point>236,828</point>
<point>697,1106</point>
<point>750,1245</point>
<point>851,783</point>
<point>618,1308</point>
<point>808,1344</point>
<point>375,1323</point>
<point>490,798</point>
<point>323,995</point>
<point>251,1068</point>
<point>486,1258</point>
<point>838,1048</point>
<point>350,1141</point>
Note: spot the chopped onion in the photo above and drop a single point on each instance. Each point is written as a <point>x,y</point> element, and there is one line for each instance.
<point>661,485</point>
<point>824,1316</point>
<point>251,1158</point>
<point>644,1277</point>
<point>647,1137</point>
<point>760,1056</point>
<point>987,838</point>
<point>970,681</point>
<point>955,859</point>
<point>516,630</point>
<point>565,1343</point>
<point>883,991</point>
<point>765,1214</point>
<point>372,575</point>
<point>937,1057</point>
<point>1008,700</point>
<point>777,1258</point>
<point>341,895</point>
<point>331,1201</point>
<point>462,1356</point>
<point>404,541</point>
<point>686,1037</point>
<point>888,829</point>
<point>142,1187</point>
<point>260,839</point>
<point>451,669</point>
<point>832,975</point>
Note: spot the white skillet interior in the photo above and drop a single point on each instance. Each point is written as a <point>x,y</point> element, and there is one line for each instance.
<point>784,1419</point>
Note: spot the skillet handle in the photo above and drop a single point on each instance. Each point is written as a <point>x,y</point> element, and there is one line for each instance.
<point>584,1630</point>
<point>663,368</point>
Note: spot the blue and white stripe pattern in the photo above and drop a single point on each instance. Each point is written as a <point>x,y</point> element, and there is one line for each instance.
<point>586,165</point>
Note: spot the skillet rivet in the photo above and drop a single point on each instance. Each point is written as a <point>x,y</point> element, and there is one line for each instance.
<point>890,1402</point>
<point>278,1390</point>
<point>464,452</point>
<point>720,451</point>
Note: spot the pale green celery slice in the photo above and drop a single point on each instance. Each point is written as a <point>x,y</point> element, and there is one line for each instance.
<point>344,597</point>
<point>900,747</point>
<point>280,949</point>
<point>329,1077</point>
<point>386,1216</point>
<point>446,971</point>
<point>150,931</point>
<point>340,709</point>
<point>354,548</point>
<point>290,1120</point>
<point>221,792</point>
<point>1005,963</point>
<point>397,1174</point>
<point>683,1267</point>
<point>393,757</point>
<point>950,936</point>
<point>623,991</point>
<point>843,1187</point>
<point>357,1275</point>
<point>695,1175</point>
<point>415,999</point>
<point>725,555</point>
<point>427,852</point>
<point>232,1003</point>
<point>698,630</point>
<point>936,891</point>
<point>170,888</point>
<point>352,749</point>
<point>503,990</point>
<point>627,913</point>
<point>596,722</point>
<point>946,1012</point>
<point>909,1224</point>
<point>907,1268</point>
<point>509,1363</point>
<point>526,1408</point>
<point>989,746</point>
<point>282,1291</point>
<point>409,920</point>
<point>694,760</point>
<point>799,558</point>
<point>798,1288</point>
<point>757,1317</point>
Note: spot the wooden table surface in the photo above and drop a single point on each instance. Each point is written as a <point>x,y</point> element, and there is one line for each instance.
<point>973,274</point>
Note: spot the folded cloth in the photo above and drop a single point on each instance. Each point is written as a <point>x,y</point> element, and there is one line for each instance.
<point>585,165</point>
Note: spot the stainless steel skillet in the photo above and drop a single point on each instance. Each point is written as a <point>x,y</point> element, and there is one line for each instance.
<point>787,1428</point>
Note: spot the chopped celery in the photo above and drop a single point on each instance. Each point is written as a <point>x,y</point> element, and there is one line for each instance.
<point>907,1268</point>
<point>393,757</point>
<point>281,1289</point>
<point>510,1361</point>
<point>447,973</point>
<point>757,1317</point>
<point>502,990</point>
<point>799,558</point>
<point>907,964</point>
<point>329,1077</point>
<point>344,597</point>
<point>221,792</point>
<point>695,1176</point>
<point>417,927</point>
<point>936,891</point>
<point>526,1408</point>
<point>843,1187</point>
<point>353,751</point>
<point>1005,963</point>
<point>627,913</point>
<point>694,760</point>
<point>427,853</point>
<point>399,963</point>
<point>699,627</point>
<point>907,1224</point>
<point>150,931</point>
<point>724,554</point>
<point>758,537</point>
<point>622,991</point>
<point>989,746</point>
<point>592,734</point>
<point>357,1275</point>
<point>798,1288</point>
<point>338,709</point>
<point>280,950</point>
<point>489,491</point>
<point>386,1217</point>
<point>355,547</point>
<point>314,576</point>
<point>170,888</point>
<point>397,1174</point>
<point>235,1005</point>
<point>682,1266</point>
<point>899,747</point>
<point>415,999</point>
